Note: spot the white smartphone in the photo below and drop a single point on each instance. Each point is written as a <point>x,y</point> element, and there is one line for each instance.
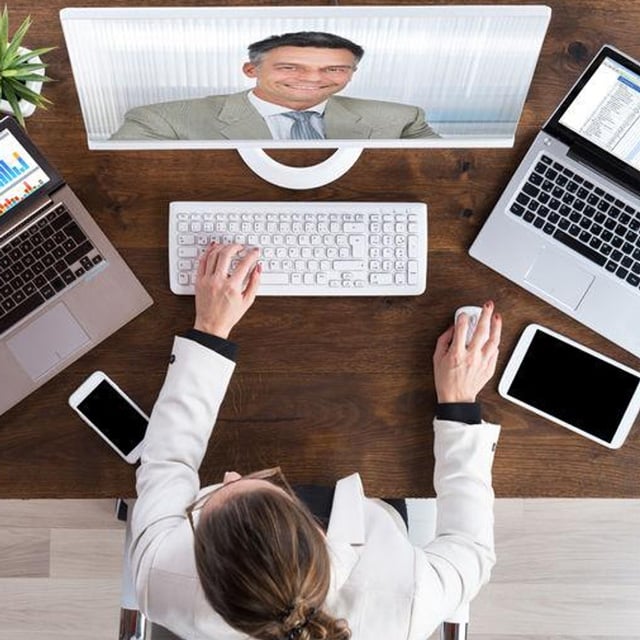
<point>101,403</point>
<point>572,385</point>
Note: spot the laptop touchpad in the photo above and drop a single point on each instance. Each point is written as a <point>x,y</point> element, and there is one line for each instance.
<point>560,277</point>
<point>47,341</point>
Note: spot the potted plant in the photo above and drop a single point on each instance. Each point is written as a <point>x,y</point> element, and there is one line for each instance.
<point>21,72</point>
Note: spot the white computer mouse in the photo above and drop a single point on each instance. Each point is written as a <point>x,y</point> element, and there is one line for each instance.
<point>473,314</point>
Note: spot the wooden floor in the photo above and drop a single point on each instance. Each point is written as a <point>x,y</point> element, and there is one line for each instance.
<point>567,569</point>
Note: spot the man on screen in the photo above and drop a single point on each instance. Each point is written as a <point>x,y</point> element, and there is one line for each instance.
<point>297,76</point>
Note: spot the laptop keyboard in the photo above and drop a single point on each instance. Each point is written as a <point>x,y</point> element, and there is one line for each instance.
<point>582,216</point>
<point>40,262</point>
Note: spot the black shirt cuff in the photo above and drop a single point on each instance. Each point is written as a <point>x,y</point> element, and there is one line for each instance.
<point>219,345</point>
<point>467,412</point>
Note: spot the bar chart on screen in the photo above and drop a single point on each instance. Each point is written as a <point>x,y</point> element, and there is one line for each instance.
<point>19,173</point>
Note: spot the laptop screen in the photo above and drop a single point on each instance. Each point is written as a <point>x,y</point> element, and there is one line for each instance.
<point>20,175</point>
<point>607,111</point>
<point>599,119</point>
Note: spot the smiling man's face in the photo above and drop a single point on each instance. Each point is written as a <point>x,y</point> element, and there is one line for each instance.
<point>300,77</point>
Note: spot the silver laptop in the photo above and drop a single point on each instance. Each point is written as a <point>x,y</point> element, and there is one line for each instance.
<point>567,226</point>
<point>63,286</point>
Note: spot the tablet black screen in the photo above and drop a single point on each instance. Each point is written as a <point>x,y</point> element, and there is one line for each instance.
<point>574,386</point>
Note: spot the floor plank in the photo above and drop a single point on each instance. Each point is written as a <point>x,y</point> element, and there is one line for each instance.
<point>567,570</point>
<point>24,553</point>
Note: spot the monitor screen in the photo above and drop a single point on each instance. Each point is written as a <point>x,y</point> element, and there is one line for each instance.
<point>336,77</point>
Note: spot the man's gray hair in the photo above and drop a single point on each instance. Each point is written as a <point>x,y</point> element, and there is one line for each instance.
<point>316,39</point>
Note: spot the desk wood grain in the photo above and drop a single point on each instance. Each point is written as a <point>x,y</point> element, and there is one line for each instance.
<point>323,387</point>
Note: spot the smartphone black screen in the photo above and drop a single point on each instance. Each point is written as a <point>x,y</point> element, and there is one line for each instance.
<point>114,417</point>
<point>574,386</point>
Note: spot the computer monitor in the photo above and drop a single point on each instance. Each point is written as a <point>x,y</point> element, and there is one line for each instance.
<point>181,78</point>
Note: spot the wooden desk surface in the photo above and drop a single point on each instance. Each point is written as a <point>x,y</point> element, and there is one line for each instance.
<point>323,387</point>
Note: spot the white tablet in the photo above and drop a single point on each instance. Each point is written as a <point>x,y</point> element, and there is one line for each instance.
<point>572,385</point>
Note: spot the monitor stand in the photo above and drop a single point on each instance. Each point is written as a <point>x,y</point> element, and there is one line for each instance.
<point>316,175</point>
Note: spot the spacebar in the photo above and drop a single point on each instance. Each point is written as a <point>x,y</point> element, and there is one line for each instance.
<point>19,312</point>
<point>582,249</point>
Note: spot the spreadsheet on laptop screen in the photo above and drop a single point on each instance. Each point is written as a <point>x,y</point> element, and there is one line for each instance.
<point>607,112</point>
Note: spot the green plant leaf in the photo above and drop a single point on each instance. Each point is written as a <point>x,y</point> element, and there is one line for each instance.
<point>25,57</point>
<point>16,41</point>
<point>31,77</point>
<point>19,67</point>
<point>12,99</point>
<point>4,31</point>
<point>30,96</point>
<point>20,71</point>
<point>16,72</point>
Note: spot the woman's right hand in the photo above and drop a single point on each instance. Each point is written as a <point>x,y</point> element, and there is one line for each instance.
<point>222,298</point>
<point>460,371</point>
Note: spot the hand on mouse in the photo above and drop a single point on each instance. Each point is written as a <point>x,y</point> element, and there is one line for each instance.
<point>223,298</point>
<point>460,371</point>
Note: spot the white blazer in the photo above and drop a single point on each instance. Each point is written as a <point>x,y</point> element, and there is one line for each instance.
<point>384,586</point>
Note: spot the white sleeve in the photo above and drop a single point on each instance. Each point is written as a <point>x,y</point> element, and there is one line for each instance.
<point>175,444</point>
<point>451,569</point>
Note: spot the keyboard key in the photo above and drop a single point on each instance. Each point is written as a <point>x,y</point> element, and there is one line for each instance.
<point>536,178</point>
<point>61,220</point>
<point>380,278</point>
<point>274,278</point>
<point>78,252</point>
<point>75,232</point>
<point>517,208</point>
<point>349,265</point>
<point>577,246</point>
<point>67,276</point>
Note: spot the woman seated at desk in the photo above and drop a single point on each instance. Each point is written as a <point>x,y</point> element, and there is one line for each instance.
<point>247,558</point>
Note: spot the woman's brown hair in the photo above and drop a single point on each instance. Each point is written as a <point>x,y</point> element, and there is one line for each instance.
<point>264,567</point>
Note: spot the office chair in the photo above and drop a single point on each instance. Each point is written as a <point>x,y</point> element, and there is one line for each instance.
<point>135,626</point>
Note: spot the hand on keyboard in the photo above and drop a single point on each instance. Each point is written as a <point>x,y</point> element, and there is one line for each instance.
<point>308,248</point>
<point>224,293</point>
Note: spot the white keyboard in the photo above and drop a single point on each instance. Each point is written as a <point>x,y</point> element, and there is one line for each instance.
<point>308,248</point>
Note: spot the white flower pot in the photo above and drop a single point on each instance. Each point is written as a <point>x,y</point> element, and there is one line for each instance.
<point>26,108</point>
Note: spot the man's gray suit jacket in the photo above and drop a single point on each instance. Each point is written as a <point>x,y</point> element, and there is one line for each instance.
<point>233,117</point>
